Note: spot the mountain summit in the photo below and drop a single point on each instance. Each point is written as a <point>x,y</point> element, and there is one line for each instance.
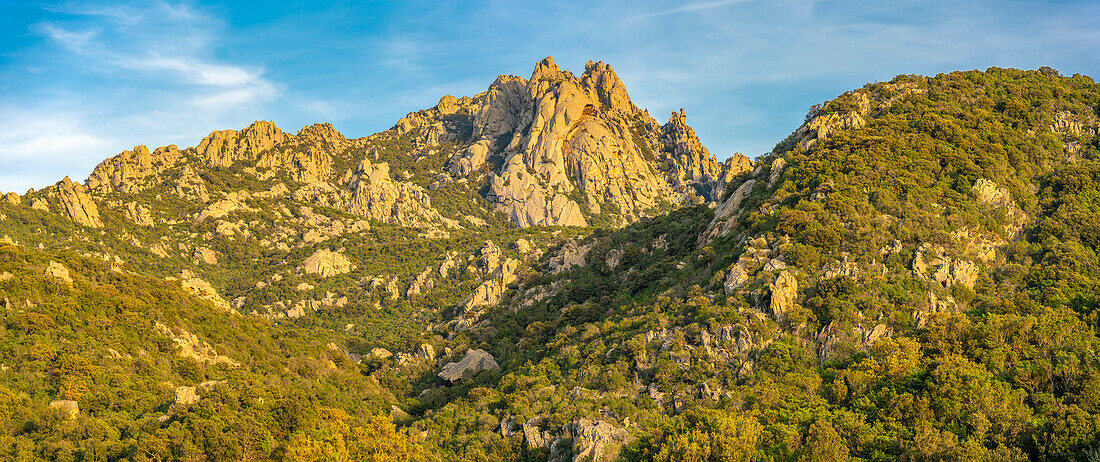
<point>554,149</point>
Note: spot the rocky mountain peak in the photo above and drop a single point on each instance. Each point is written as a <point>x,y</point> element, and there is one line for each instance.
<point>225,147</point>
<point>75,203</point>
<point>601,80</point>
<point>689,162</point>
<point>323,133</point>
<point>547,69</point>
<point>580,148</point>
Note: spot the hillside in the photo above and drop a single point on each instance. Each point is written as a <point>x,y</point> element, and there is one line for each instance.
<point>543,272</point>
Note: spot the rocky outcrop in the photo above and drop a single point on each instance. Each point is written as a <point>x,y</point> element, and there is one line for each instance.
<point>422,283</point>
<point>307,157</point>
<point>133,171</point>
<point>324,135</point>
<point>755,256</point>
<point>223,207</point>
<point>860,104</point>
<point>572,148</point>
<point>836,340</point>
<point>595,440</point>
<point>691,167</point>
<point>375,195</point>
<point>186,395</point>
<point>204,255</point>
<point>76,205</point>
<point>225,147</point>
<point>535,437</point>
<point>475,361</point>
<point>202,289</point>
<point>727,211</point>
<point>189,185</point>
<point>470,159</point>
<point>574,141</point>
<point>138,214</point>
<point>931,262</point>
<point>191,346</point>
<point>59,272</point>
<point>492,290</point>
<point>571,254</point>
<point>990,193</point>
<point>783,292</point>
<point>326,263</point>
<point>1069,124</point>
<point>11,198</point>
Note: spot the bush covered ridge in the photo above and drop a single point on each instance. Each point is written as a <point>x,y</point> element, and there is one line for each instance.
<point>912,275</point>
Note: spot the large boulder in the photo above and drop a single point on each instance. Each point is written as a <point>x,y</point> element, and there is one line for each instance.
<point>475,361</point>
<point>783,293</point>
<point>59,272</point>
<point>68,406</point>
<point>326,263</point>
<point>186,395</point>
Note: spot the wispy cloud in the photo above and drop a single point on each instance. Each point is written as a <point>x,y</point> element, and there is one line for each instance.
<point>122,74</point>
<point>697,6</point>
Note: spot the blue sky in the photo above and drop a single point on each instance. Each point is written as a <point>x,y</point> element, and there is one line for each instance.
<point>82,81</point>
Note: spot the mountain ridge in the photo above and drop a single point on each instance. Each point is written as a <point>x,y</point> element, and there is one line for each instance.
<point>910,275</point>
<point>565,150</point>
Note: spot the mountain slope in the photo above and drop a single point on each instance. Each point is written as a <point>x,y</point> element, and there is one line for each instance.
<point>911,275</point>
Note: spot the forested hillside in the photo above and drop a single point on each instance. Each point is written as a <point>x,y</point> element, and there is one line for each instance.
<point>911,275</point>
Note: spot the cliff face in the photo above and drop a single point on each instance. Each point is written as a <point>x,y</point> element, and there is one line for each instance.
<point>574,149</point>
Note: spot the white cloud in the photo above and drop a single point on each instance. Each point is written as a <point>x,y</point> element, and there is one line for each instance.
<point>39,146</point>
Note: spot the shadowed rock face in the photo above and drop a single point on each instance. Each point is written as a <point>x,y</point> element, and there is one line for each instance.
<point>475,361</point>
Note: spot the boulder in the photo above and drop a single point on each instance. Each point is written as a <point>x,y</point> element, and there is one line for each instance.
<point>204,255</point>
<point>783,292</point>
<point>326,263</point>
<point>67,406</point>
<point>186,395</point>
<point>59,272</point>
<point>379,353</point>
<point>475,361</point>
